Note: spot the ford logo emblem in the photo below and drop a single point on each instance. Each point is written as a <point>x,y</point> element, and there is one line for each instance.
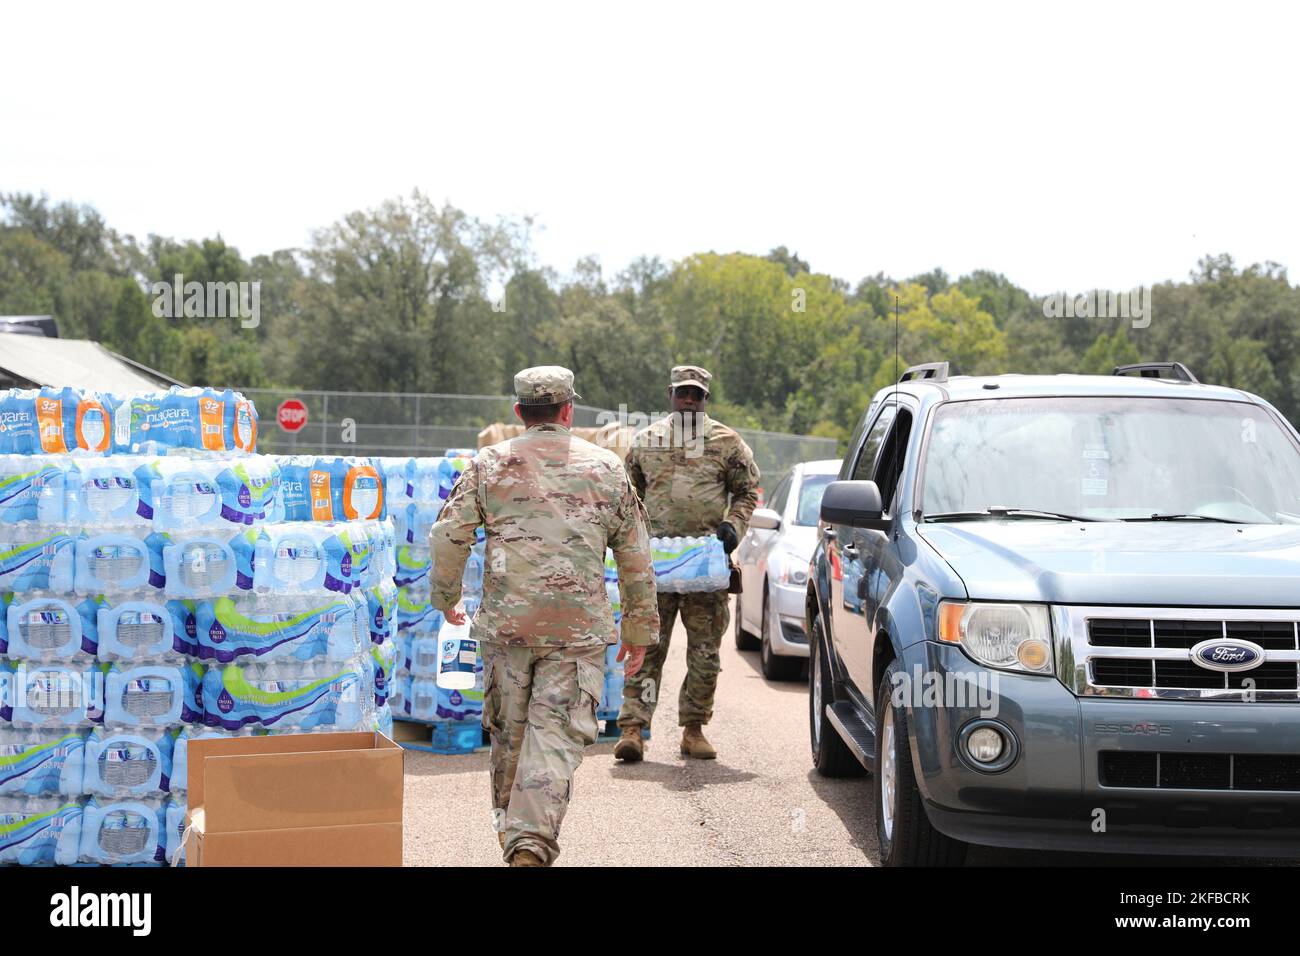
<point>1225,655</point>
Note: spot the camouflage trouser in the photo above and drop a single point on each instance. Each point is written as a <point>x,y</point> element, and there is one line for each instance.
<point>539,705</point>
<point>705,617</point>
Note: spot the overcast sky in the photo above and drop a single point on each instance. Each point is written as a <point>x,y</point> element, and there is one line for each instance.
<point>1069,146</point>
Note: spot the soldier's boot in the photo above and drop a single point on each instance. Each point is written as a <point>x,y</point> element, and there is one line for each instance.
<point>694,743</point>
<point>526,858</point>
<point>629,746</point>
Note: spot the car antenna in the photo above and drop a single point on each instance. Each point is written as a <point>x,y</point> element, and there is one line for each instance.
<point>895,348</point>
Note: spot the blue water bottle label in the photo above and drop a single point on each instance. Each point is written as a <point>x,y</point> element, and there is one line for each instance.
<point>459,656</point>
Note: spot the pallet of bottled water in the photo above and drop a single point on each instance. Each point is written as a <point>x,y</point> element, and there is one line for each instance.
<point>445,720</point>
<point>160,581</point>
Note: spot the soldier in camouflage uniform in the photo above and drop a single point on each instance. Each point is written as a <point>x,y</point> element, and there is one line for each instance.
<point>550,503</point>
<point>684,467</point>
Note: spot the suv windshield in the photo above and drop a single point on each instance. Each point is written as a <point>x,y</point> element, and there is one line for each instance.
<point>1109,458</point>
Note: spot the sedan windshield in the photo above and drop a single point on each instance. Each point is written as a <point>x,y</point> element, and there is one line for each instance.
<point>1102,458</point>
<point>810,498</point>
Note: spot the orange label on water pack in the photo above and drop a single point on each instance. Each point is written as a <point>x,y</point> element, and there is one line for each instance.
<point>92,425</point>
<point>370,498</point>
<point>49,418</point>
<point>245,426</point>
<point>212,424</point>
<point>322,508</point>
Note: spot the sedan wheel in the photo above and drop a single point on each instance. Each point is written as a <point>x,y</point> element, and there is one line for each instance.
<point>744,640</point>
<point>775,667</point>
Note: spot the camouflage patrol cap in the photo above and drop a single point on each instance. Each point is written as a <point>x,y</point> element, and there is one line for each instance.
<point>544,385</point>
<point>690,375</point>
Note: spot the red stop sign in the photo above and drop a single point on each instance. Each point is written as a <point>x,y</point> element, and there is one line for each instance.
<point>291,415</point>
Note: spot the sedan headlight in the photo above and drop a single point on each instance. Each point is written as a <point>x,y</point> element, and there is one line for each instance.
<point>1014,637</point>
<point>794,570</point>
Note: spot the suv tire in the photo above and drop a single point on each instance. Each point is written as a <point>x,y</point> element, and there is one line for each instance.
<point>903,830</point>
<point>831,755</point>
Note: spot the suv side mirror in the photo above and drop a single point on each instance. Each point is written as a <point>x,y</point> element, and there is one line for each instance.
<point>854,503</point>
<point>765,519</point>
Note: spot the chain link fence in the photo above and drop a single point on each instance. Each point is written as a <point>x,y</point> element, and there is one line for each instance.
<point>425,424</point>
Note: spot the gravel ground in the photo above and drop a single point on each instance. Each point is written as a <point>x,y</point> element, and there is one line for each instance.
<point>759,803</point>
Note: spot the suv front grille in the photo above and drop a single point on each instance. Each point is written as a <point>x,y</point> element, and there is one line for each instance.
<point>1180,771</point>
<point>1146,652</point>
<point>1121,672</point>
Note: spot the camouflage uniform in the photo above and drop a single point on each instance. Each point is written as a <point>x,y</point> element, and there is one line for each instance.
<point>550,504</point>
<point>685,482</point>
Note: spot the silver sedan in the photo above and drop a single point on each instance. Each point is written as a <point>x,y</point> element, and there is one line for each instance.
<point>773,558</point>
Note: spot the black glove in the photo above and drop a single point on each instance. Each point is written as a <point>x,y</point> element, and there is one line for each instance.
<point>727,535</point>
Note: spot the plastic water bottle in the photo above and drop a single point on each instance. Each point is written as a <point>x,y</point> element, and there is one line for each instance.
<point>457,657</point>
<point>425,479</point>
<point>422,703</point>
<point>279,695</point>
<point>449,472</point>
<point>52,696</point>
<point>35,488</point>
<point>205,564</point>
<point>113,492</point>
<point>144,695</point>
<point>396,475</point>
<point>123,831</point>
<point>142,626</point>
<point>399,697</point>
<point>43,626</point>
<point>175,823</point>
<point>180,494</point>
<point>40,830</point>
<point>35,557</point>
<point>425,654</point>
<point>463,704</point>
<point>127,763</point>
<point>117,561</point>
<point>42,763</point>
<point>300,627</point>
<point>685,565</point>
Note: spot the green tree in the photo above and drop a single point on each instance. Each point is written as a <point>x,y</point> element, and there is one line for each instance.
<point>1107,352</point>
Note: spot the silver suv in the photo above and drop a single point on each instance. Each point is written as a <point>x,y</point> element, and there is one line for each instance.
<point>1061,612</point>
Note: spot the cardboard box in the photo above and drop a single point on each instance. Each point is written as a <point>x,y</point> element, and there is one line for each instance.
<point>295,800</point>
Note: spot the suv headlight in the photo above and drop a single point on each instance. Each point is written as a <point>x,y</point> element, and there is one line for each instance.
<point>794,570</point>
<point>1014,637</point>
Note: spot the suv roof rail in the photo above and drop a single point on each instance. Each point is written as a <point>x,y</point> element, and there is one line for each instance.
<point>936,372</point>
<point>1171,370</point>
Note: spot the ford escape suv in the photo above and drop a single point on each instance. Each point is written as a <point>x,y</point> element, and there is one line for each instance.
<point>1060,612</point>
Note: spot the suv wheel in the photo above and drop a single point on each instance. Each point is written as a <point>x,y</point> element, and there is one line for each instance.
<point>903,830</point>
<point>744,640</point>
<point>831,755</point>
<point>775,667</point>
